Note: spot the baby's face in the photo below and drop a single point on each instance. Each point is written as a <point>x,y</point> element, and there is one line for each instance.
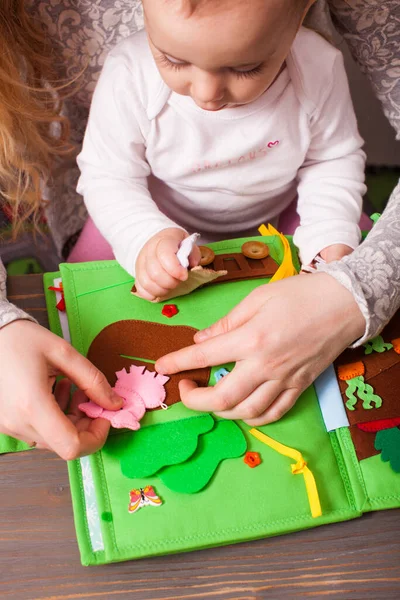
<point>226,54</point>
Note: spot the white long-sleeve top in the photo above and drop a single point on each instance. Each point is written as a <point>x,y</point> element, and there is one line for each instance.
<point>153,159</point>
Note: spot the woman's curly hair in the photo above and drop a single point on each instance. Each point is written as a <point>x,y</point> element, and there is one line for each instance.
<point>33,133</point>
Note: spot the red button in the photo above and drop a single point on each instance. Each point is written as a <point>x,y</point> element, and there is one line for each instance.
<point>169,310</point>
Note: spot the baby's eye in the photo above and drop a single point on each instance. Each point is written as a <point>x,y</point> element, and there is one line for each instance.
<point>243,72</point>
<point>173,63</point>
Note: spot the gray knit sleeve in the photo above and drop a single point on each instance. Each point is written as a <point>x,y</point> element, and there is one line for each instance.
<point>8,312</point>
<point>372,271</point>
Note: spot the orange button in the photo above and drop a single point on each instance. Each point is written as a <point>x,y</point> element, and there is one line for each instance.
<point>255,250</point>
<point>207,256</point>
<point>252,459</point>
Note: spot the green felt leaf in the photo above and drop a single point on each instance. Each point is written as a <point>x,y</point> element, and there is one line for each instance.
<point>365,392</point>
<point>144,452</point>
<point>377,344</point>
<point>388,441</point>
<point>226,440</point>
<point>352,386</point>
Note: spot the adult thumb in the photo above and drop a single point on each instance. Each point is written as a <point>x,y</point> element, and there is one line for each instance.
<point>86,377</point>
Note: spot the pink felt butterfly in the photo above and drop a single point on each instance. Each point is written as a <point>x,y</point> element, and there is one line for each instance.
<point>140,389</point>
<point>143,497</point>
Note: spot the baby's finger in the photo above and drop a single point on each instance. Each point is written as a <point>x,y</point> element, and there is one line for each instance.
<point>166,253</point>
<point>159,276</point>
<point>142,292</point>
<point>149,290</point>
<point>335,252</point>
<point>282,404</point>
<point>144,283</point>
<point>195,257</point>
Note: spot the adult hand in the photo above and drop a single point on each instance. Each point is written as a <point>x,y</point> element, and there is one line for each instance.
<point>31,358</point>
<point>281,337</point>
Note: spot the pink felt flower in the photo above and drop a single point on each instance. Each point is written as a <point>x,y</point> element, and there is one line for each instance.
<point>139,389</point>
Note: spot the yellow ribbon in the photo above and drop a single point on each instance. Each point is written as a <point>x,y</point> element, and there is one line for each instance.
<point>300,467</point>
<point>286,268</point>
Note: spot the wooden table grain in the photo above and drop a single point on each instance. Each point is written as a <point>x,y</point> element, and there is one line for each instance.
<point>39,556</point>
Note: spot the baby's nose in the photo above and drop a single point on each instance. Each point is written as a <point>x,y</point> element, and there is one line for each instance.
<point>208,90</point>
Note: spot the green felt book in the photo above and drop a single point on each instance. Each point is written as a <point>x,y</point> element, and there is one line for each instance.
<point>187,480</point>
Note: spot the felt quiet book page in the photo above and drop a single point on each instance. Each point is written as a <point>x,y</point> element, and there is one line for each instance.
<point>170,479</point>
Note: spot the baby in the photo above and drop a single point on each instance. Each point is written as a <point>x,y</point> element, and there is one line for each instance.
<point>216,119</point>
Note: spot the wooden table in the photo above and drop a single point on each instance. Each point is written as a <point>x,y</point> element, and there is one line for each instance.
<point>39,555</point>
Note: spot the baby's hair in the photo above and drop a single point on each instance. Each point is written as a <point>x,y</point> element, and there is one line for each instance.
<point>33,134</point>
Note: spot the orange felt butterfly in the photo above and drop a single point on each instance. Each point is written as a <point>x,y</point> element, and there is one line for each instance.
<point>143,497</point>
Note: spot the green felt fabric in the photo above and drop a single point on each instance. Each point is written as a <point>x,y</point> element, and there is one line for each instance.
<point>9,444</point>
<point>388,441</point>
<point>239,503</point>
<point>144,452</point>
<point>382,484</point>
<point>372,482</point>
<point>226,440</point>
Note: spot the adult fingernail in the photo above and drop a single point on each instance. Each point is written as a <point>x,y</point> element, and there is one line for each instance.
<point>202,335</point>
<point>115,399</point>
<point>160,370</point>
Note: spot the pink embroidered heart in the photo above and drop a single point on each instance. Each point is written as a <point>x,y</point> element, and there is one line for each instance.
<point>272,144</point>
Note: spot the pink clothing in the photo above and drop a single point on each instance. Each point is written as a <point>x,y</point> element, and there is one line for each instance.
<point>91,245</point>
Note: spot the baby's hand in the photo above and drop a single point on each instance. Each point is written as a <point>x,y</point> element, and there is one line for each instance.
<point>328,254</point>
<point>158,270</point>
<point>335,252</point>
